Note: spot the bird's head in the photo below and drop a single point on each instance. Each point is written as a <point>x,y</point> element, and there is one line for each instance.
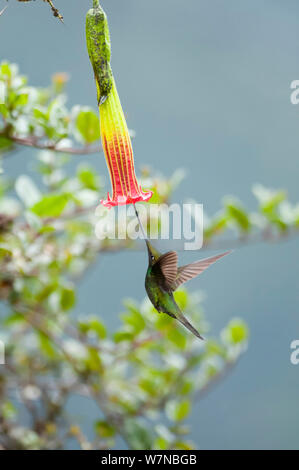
<point>153,254</point>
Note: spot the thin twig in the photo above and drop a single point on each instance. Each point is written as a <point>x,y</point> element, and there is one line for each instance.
<point>86,150</point>
<point>54,10</point>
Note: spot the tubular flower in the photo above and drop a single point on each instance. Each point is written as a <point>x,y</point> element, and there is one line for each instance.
<point>119,154</point>
<point>115,136</point>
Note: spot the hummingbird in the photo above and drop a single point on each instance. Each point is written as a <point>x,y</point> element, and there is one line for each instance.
<point>163,277</point>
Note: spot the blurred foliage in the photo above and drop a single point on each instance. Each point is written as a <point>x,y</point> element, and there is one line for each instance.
<point>145,378</point>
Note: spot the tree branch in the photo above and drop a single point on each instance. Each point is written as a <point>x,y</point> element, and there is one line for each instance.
<point>86,150</point>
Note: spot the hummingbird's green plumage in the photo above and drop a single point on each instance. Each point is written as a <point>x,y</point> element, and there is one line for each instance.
<point>163,277</point>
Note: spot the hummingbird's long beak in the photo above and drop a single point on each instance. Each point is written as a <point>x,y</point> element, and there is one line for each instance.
<point>152,253</point>
<point>149,250</point>
<point>140,225</point>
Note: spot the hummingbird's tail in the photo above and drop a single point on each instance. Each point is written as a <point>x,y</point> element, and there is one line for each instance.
<point>182,319</point>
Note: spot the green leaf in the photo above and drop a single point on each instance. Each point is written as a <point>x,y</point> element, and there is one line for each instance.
<point>133,319</point>
<point>148,385</point>
<point>88,125</point>
<point>120,336</point>
<point>183,445</point>
<point>8,410</point>
<point>98,327</point>
<point>88,178</point>
<point>21,100</point>
<point>177,337</point>
<point>216,226</point>
<point>46,291</point>
<point>67,298</point>
<point>269,199</point>
<point>161,444</point>
<point>40,115</point>
<point>277,220</point>
<point>46,346</point>
<point>14,318</point>
<point>178,410</point>
<point>51,205</point>
<point>236,332</point>
<point>138,435</point>
<point>104,429</point>
<point>214,349</point>
<point>212,369</point>
<point>93,324</point>
<point>237,213</point>
<point>195,360</point>
<point>5,69</point>
<point>93,361</point>
<point>5,250</point>
<point>186,387</point>
<point>5,144</point>
<point>3,110</point>
<point>181,298</point>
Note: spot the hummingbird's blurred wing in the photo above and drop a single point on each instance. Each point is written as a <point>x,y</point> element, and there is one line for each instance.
<point>189,271</point>
<point>168,264</point>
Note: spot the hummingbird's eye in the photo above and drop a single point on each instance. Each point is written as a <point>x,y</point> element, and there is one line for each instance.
<point>153,258</point>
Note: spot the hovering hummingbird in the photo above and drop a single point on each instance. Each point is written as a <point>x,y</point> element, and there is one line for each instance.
<point>163,277</point>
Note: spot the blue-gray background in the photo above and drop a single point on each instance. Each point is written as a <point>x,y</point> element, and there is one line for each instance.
<point>206,85</point>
